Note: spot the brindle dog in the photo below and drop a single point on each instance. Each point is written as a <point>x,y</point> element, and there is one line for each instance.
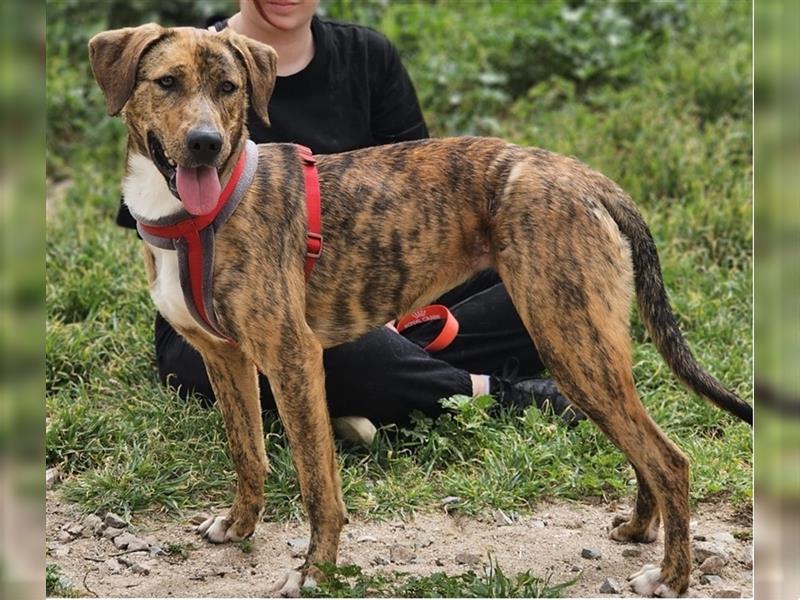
<point>403,224</point>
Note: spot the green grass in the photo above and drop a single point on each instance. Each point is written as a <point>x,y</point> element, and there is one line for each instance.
<point>667,116</point>
<point>349,581</point>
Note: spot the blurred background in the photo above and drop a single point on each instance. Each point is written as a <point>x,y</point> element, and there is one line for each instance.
<point>590,55</point>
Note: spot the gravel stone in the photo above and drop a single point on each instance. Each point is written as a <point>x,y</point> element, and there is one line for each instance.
<point>137,544</point>
<point>702,550</point>
<point>74,529</point>
<point>92,525</point>
<point>467,558</point>
<point>64,537</point>
<point>401,555</point>
<point>727,593</point>
<point>537,524</point>
<point>712,565</point>
<point>631,552</point>
<point>297,546</point>
<point>114,520</point>
<point>366,538</point>
<point>710,580</point>
<point>122,540</point>
<point>114,566</point>
<point>199,518</point>
<point>51,478</point>
<point>111,532</point>
<point>501,519</point>
<point>60,551</point>
<point>140,569</point>
<point>591,553</point>
<point>610,586</point>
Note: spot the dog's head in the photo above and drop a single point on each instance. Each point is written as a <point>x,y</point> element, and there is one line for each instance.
<point>183,94</point>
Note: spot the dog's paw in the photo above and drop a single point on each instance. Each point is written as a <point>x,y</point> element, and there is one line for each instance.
<point>625,531</point>
<point>647,582</point>
<point>219,530</point>
<point>290,583</point>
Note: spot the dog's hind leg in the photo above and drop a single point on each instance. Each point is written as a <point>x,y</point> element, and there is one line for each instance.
<point>568,271</point>
<point>235,382</point>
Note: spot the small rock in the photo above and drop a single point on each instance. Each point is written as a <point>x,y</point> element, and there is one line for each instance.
<point>51,478</point>
<point>199,518</point>
<point>724,538</point>
<point>114,565</point>
<point>111,532</point>
<point>572,524</point>
<point>423,542</point>
<point>712,565</point>
<point>610,586</point>
<point>140,569</point>
<point>438,562</point>
<point>64,537</point>
<point>122,540</point>
<point>366,538</point>
<point>576,568</point>
<point>297,546</point>
<point>746,558</point>
<point>60,551</point>
<point>156,550</point>
<point>591,553</point>
<point>631,552</point>
<point>449,502</point>
<point>137,544</point>
<point>537,524</point>
<point>401,555</point>
<point>727,593</point>
<point>380,561</point>
<point>702,550</point>
<point>710,580</point>
<point>699,537</point>
<point>114,520</point>
<point>466,558</point>
<point>74,529</point>
<point>501,519</point>
<point>92,525</point>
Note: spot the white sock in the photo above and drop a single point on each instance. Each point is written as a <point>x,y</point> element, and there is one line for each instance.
<point>480,384</point>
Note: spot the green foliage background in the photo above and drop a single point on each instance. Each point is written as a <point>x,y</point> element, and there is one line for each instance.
<point>655,95</point>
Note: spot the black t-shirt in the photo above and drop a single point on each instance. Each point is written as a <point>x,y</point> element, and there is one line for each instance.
<point>354,93</point>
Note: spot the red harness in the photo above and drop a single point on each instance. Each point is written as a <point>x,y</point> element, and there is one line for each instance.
<point>193,237</point>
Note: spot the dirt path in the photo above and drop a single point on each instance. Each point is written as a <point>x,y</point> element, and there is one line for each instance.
<point>550,542</point>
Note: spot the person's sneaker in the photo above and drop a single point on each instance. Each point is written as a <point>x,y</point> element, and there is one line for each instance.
<point>357,430</point>
<point>521,393</point>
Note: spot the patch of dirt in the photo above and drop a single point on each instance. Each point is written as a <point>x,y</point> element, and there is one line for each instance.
<point>548,543</point>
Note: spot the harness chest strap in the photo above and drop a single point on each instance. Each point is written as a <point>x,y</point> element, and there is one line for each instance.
<point>193,236</point>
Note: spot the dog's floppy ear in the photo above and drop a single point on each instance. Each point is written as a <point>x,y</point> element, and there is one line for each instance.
<point>115,57</point>
<point>261,62</point>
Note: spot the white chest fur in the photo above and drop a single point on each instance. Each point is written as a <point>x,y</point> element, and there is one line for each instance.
<point>147,195</point>
<point>166,289</point>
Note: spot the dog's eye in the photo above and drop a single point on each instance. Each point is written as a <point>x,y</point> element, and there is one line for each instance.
<point>166,82</point>
<point>227,87</point>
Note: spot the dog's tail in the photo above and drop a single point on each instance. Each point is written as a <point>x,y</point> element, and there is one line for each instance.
<point>657,314</point>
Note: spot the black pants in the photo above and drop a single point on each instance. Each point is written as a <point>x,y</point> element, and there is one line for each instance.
<point>385,376</point>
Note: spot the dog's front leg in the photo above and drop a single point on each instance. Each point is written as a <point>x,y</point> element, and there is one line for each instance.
<point>235,382</point>
<point>293,364</point>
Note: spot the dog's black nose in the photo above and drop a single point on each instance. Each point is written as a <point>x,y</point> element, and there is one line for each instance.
<point>204,145</point>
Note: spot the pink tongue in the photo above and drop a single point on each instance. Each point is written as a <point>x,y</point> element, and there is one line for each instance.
<point>199,189</point>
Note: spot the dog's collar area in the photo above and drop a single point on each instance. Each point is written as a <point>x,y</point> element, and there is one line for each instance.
<point>193,235</point>
<point>193,238</point>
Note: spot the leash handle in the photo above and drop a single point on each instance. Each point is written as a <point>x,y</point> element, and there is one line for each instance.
<point>433,312</point>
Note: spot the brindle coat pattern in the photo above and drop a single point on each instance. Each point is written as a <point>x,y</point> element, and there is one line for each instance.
<point>403,224</point>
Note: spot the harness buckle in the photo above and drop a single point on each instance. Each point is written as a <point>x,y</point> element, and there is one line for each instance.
<point>313,245</point>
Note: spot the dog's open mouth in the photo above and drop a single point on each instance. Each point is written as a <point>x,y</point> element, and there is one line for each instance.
<point>198,188</point>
